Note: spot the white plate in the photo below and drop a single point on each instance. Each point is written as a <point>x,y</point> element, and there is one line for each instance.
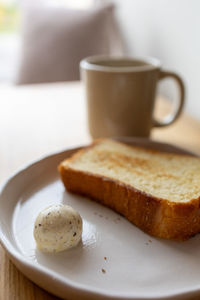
<point>137,266</point>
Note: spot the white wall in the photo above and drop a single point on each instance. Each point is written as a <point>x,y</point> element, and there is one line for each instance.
<point>169,30</point>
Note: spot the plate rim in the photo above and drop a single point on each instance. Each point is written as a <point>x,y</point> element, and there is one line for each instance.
<point>19,260</point>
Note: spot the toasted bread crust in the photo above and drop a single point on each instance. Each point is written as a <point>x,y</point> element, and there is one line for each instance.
<point>155,216</point>
<point>158,217</point>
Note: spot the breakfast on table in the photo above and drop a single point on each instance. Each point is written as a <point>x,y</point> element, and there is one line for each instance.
<point>156,191</point>
<point>100,107</point>
<point>133,182</point>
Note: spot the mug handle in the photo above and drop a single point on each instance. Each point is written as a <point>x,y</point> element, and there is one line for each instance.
<point>169,119</point>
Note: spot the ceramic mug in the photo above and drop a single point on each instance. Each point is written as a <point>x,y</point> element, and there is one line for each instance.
<point>120,95</point>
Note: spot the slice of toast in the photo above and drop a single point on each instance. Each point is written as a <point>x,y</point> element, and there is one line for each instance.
<point>158,192</point>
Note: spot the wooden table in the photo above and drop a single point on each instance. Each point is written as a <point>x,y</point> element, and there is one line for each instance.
<point>37,120</point>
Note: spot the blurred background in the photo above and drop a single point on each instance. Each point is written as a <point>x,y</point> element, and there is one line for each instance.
<point>44,40</point>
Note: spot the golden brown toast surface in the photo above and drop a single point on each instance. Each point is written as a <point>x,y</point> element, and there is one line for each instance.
<point>163,175</point>
<point>159,192</point>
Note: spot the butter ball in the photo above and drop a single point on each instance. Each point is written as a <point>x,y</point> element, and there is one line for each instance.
<point>57,228</point>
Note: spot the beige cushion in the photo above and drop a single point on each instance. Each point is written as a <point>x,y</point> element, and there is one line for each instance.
<point>56,39</point>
